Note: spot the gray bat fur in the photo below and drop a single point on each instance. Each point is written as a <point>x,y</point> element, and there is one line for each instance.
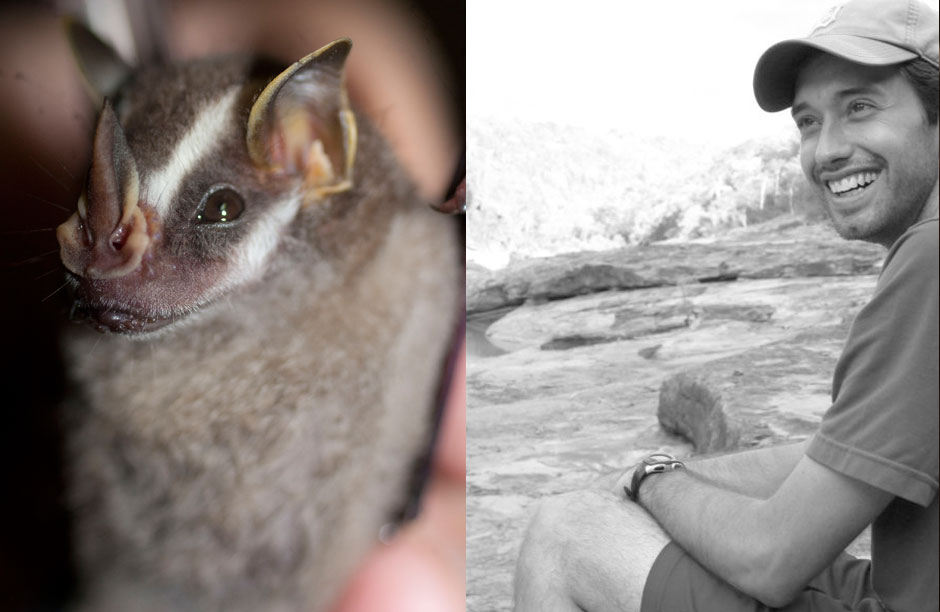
<point>246,458</point>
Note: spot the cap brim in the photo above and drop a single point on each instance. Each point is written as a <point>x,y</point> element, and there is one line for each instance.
<point>776,71</point>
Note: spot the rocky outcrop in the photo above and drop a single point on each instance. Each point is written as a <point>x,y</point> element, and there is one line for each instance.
<point>566,393</point>
<point>785,250</point>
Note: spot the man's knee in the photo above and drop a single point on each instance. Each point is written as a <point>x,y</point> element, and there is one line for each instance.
<point>565,523</point>
<point>550,542</point>
<point>553,533</point>
<point>545,535</point>
<point>575,540</point>
<point>557,520</point>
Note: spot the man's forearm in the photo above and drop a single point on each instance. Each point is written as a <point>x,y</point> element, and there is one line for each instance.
<point>695,513</point>
<point>693,505</point>
<point>755,473</point>
<point>767,547</point>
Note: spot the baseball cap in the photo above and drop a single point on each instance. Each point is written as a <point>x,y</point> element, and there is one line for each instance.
<point>871,32</point>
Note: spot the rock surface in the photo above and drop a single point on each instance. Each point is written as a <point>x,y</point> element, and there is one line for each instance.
<point>565,394</point>
<point>783,249</point>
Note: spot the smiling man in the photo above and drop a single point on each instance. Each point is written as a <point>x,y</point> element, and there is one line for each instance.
<point>767,528</point>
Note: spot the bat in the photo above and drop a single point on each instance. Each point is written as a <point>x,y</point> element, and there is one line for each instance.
<point>267,305</point>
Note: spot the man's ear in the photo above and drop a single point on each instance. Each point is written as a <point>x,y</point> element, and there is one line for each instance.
<point>102,68</point>
<point>301,124</point>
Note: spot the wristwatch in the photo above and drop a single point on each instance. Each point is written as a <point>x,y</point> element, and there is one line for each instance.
<point>657,463</point>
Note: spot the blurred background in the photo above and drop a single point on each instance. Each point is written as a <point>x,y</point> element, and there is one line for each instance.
<point>406,72</point>
<point>635,123</point>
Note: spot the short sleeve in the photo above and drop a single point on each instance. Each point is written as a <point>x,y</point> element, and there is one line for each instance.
<point>882,427</point>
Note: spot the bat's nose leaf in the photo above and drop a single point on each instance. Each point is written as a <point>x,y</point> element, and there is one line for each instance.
<point>113,228</point>
<point>112,172</point>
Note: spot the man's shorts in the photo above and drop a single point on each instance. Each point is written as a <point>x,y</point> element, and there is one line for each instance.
<point>677,583</point>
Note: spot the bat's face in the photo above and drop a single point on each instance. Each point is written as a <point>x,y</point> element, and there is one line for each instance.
<point>197,173</point>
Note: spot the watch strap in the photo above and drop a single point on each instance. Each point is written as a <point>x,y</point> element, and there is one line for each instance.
<point>657,463</point>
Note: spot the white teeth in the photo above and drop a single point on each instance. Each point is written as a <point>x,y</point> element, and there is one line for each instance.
<point>848,183</point>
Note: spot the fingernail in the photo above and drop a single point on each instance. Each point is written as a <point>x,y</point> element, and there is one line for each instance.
<point>457,203</point>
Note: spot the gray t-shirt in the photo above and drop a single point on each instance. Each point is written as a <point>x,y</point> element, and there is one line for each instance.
<point>882,427</point>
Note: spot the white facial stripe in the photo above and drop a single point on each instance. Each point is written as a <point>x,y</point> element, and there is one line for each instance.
<point>204,133</point>
<point>253,252</point>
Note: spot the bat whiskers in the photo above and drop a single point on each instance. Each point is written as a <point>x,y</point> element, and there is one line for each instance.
<point>94,346</point>
<point>29,231</point>
<point>60,288</point>
<point>47,273</point>
<point>48,173</point>
<point>33,259</point>
<point>45,201</point>
<point>67,171</point>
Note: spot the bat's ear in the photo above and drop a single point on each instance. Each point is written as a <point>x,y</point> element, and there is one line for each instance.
<point>301,123</point>
<point>102,67</point>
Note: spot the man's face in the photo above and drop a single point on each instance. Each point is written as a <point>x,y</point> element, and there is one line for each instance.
<point>866,147</point>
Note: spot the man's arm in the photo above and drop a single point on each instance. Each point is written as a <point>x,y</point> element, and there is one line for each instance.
<point>767,548</point>
<point>756,473</point>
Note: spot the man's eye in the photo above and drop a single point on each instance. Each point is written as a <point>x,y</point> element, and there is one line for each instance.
<point>220,206</point>
<point>859,107</point>
<point>805,122</point>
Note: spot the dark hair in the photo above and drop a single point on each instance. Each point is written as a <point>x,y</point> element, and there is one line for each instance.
<point>925,78</point>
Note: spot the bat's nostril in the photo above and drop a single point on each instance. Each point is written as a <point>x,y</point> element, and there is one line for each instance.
<point>119,237</point>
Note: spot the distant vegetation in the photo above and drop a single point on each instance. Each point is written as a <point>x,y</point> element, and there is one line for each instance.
<point>538,189</point>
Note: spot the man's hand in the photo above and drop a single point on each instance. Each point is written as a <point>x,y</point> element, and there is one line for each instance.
<point>624,481</point>
<point>757,472</point>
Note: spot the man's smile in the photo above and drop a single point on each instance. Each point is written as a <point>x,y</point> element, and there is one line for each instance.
<point>849,192</point>
<point>854,183</point>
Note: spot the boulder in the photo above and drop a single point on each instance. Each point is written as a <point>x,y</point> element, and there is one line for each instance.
<point>772,394</point>
<point>780,252</point>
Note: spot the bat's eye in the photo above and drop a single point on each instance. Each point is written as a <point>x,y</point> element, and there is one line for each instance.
<point>220,205</point>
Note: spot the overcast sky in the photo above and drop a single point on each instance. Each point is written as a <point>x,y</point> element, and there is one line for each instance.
<point>680,69</point>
